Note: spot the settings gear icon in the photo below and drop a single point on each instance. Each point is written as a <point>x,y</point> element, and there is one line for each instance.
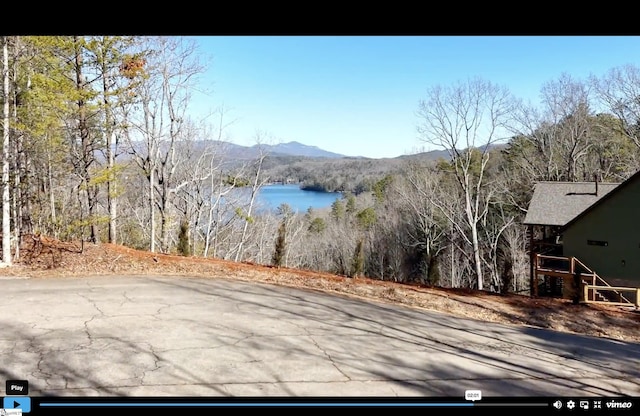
<point>571,404</point>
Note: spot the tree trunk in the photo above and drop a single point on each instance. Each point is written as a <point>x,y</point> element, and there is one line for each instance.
<point>17,197</point>
<point>52,201</point>
<point>6,207</point>
<point>254,192</point>
<point>86,151</point>
<point>164,235</point>
<point>111,182</point>
<point>92,198</point>
<point>476,255</point>
<point>473,224</point>
<point>163,206</point>
<point>152,216</point>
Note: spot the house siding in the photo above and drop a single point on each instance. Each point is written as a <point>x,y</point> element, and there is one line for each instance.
<point>617,222</point>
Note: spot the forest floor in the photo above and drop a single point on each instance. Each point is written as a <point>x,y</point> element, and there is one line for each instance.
<point>48,258</point>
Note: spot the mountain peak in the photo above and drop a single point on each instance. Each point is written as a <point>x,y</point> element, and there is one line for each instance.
<point>294,148</point>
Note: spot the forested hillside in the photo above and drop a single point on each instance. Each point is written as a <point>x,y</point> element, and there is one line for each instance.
<point>100,144</point>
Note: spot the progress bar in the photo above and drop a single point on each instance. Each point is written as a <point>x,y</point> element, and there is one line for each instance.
<point>269,404</point>
<point>288,404</point>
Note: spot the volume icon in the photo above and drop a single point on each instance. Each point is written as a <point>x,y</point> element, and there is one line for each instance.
<point>557,404</point>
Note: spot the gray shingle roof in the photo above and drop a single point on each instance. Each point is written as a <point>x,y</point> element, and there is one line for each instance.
<point>557,203</point>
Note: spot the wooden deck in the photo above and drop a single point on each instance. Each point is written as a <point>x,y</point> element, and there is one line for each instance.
<point>591,288</point>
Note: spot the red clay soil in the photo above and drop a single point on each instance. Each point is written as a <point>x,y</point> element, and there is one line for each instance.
<point>49,258</point>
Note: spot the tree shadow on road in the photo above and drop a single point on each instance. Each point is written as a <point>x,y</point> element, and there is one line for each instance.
<point>513,359</point>
<point>86,369</point>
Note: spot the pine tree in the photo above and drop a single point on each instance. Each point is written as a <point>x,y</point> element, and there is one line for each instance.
<point>278,254</point>
<point>357,263</point>
<point>183,239</point>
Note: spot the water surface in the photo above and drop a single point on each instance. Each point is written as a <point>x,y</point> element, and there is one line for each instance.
<point>299,200</point>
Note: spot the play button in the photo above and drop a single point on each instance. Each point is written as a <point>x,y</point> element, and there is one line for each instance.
<point>23,403</point>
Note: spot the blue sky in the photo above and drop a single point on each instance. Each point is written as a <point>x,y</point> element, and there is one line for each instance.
<point>358,95</point>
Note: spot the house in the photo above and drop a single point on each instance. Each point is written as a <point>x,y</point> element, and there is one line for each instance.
<point>607,234</point>
<point>591,224</point>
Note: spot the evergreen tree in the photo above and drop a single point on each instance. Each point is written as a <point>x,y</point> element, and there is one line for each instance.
<point>317,226</point>
<point>337,210</point>
<point>433,271</point>
<point>183,239</point>
<point>357,263</point>
<point>278,254</point>
<point>351,203</point>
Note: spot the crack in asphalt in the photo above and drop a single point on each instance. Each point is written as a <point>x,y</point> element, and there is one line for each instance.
<point>40,371</point>
<point>309,335</point>
<point>126,299</point>
<point>163,307</point>
<point>585,371</point>
<point>326,354</point>
<point>156,363</point>
<point>86,322</point>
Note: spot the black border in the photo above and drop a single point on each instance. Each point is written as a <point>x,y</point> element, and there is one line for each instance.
<point>44,405</point>
<point>309,18</point>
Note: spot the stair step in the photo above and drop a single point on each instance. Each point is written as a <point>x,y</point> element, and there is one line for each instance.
<point>580,270</point>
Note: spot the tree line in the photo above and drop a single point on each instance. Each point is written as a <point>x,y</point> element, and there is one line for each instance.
<point>100,144</point>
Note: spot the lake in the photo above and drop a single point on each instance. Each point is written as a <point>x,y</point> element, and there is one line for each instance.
<point>298,199</point>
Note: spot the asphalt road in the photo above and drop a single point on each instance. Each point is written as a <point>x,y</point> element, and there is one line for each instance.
<point>153,336</point>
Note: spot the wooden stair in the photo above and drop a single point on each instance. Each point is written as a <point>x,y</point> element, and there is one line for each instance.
<point>594,289</point>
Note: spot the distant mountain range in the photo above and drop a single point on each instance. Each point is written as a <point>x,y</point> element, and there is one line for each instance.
<point>236,151</point>
<point>299,149</point>
<point>232,151</point>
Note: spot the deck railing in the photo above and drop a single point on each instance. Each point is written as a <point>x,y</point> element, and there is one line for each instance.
<point>593,286</point>
<point>594,290</point>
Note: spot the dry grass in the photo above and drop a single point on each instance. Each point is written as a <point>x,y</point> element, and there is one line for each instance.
<point>48,258</point>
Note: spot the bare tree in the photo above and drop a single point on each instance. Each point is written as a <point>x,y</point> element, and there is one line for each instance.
<point>619,93</point>
<point>143,130</point>
<point>516,259</point>
<point>219,219</point>
<point>112,63</point>
<point>6,208</point>
<point>613,155</point>
<point>85,148</point>
<point>466,120</point>
<point>566,102</point>
<point>556,140</point>
<point>258,182</point>
<point>494,225</point>
<point>427,230</point>
<point>165,94</point>
<point>222,181</point>
<point>195,181</point>
<point>534,142</point>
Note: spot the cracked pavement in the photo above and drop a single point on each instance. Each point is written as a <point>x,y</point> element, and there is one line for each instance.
<point>185,336</point>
